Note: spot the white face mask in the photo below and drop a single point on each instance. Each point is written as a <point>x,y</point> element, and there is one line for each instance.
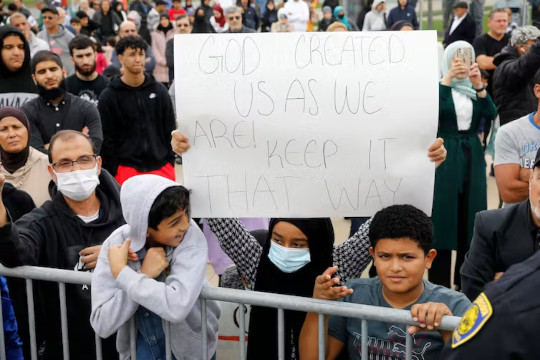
<point>288,260</point>
<point>77,185</point>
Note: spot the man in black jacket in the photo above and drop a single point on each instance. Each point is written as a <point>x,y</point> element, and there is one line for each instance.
<point>66,233</point>
<point>138,118</point>
<point>462,26</point>
<point>55,109</point>
<point>513,82</point>
<point>501,238</point>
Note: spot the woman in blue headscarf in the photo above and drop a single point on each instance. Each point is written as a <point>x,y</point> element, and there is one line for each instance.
<point>339,13</point>
<point>460,182</point>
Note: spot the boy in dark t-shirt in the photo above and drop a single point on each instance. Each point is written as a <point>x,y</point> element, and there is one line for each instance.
<point>401,238</point>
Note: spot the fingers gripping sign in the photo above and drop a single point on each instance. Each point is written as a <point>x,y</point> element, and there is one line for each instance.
<point>325,286</point>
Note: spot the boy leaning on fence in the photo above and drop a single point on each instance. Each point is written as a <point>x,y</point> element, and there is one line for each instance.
<point>151,269</point>
<point>401,238</point>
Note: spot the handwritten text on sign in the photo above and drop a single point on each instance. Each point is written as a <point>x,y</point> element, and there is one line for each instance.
<point>307,125</point>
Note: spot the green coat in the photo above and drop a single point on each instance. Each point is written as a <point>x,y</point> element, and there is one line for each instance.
<point>450,175</point>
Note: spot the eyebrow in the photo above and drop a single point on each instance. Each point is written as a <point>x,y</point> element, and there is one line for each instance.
<point>177,218</point>
<point>294,239</point>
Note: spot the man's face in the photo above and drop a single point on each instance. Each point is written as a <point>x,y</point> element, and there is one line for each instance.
<point>127,29</point>
<point>403,3</point>
<point>72,149</point>
<point>20,23</point>
<point>61,16</point>
<point>401,264</point>
<point>84,60</point>
<point>459,12</point>
<point>50,20</point>
<point>498,23</point>
<point>77,26</point>
<point>161,8</point>
<point>235,21</point>
<point>13,52</point>
<point>84,21</point>
<point>18,4</point>
<point>105,6</point>
<point>183,26</point>
<point>48,74</point>
<point>133,60</point>
<point>39,5</point>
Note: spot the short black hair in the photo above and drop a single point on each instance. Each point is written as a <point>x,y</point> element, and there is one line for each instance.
<point>167,203</point>
<point>75,20</point>
<point>402,221</point>
<point>537,77</point>
<point>130,42</point>
<point>81,14</point>
<point>44,55</point>
<point>80,42</point>
<point>67,135</point>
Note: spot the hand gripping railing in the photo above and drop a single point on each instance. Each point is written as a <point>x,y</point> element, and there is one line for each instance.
<point>278,301</point>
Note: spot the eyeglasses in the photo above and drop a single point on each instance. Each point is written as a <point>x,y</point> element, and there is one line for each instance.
<point>231,18</point>
<point>84,162</point>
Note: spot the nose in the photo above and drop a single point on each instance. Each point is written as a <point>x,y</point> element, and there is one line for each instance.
<point>395,265</point>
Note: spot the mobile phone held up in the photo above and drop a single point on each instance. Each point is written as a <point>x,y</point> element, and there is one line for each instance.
<point>465,54</point>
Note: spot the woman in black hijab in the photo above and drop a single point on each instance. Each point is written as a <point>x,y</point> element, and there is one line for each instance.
<point>201,24</point>
<point>16,84</point>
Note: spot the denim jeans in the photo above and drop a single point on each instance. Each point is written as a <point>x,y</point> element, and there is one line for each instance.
<point>150,336</point>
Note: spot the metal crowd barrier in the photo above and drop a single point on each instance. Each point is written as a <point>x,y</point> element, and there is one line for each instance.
<point>281,302</point>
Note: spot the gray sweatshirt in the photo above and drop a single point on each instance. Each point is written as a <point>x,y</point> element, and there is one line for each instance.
<point>114,302</point>
<point>59,44</point>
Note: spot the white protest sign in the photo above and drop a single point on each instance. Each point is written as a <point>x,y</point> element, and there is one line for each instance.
<point>307,124</point>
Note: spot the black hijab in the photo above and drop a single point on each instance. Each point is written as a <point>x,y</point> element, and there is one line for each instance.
<point>263,342</point>
<point>20,80</point>
<point>161,27</point>
<point>201,25</point>
<point>13,161</point>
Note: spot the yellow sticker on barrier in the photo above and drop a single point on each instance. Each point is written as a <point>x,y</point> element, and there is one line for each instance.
<point>476,316</point>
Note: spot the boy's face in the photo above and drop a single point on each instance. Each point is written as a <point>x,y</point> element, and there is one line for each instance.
<point>401,264</point>
<point>171,230</point>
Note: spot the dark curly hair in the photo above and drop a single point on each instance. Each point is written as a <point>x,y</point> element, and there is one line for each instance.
<point>402,221</point>
<point>167,204</point>
<point>130,42</point>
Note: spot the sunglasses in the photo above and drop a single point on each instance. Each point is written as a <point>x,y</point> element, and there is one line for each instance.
<point>237,17</point>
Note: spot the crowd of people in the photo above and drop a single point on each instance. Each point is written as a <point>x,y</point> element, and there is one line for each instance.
<point>88,148</point>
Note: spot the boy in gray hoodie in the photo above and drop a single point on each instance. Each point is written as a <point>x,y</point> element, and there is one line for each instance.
<point>154,268</point>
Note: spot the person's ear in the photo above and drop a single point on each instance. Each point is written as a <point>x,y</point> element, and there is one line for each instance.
<point>72,61</point>
<point>34,78</point>
<point>537,91</point>
<point>371,253</point>
<point>51,172</point>
<point>429,258</point>
<point>98,163</point>
<point>64,72</point>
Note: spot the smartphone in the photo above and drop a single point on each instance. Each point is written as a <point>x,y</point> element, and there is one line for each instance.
<point>465,54</point>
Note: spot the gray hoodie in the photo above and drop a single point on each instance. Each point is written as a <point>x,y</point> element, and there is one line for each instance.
<point>59,44</point>
<point>114,302</point>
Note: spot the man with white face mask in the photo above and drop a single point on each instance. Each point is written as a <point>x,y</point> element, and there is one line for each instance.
<point>503,237</point>
<point>67,233</point>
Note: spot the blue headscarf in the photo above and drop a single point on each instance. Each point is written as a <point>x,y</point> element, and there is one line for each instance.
<point>463,86</point>
<point>345,21</point>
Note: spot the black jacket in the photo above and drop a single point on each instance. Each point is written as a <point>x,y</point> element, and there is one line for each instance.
<point>501,238</point>
<point>52,236</point>
<point>513,82</point>
<point>73,113</point>
<point>506,329</point>
<point>464,31</point>
<point>137,125</point>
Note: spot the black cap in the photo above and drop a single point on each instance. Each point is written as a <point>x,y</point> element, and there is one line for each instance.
<point>161,2</point>
<point>461,4</point>
<point>50,9</point>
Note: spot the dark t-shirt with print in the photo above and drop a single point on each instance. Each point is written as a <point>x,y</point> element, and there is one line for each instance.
<point>88,90</point>
<point>386,340</point>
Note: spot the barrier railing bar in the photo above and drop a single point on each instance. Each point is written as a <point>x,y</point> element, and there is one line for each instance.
<point>133,338</point>
<point>364,339</point>
<point>408,346</point>
<point>63,319</point>
<point>322,345</point>
<point>203,330</point>
<point>99,350</point>
<point>281,333</point>
<point>168,350</point>
<point>31,318</point>
<point>48,274</point>
<point>242,332</point>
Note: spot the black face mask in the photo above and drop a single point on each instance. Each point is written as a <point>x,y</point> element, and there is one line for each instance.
<point>54,93</point>
<point>341,16</point>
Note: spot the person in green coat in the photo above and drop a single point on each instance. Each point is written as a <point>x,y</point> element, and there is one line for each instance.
<point>460,182</point>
